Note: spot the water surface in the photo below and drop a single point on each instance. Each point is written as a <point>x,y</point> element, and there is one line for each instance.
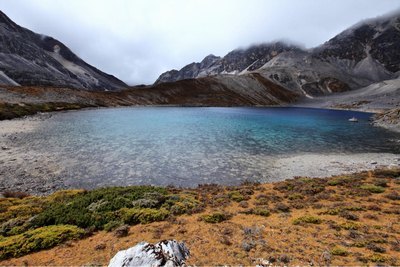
<point>190,146</point>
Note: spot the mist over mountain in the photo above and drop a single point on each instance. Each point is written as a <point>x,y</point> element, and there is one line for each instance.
<point>365,53</point>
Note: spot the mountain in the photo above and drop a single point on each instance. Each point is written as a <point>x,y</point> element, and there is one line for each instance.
<point>235,62</point>
<point>366,53</point>
<point>28,58</point>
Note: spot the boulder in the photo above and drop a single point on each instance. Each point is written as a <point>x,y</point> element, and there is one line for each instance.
<point>165,253</point>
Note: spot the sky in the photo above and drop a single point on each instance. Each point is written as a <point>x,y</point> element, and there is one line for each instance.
<point>137,40</point>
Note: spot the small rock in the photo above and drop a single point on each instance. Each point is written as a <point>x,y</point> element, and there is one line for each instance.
<point>5,148</point>
<point>121,231</point>
<point>165,253</point>
<point>374,162</point>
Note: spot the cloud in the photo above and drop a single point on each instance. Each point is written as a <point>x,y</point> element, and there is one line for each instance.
<point>138,40</point>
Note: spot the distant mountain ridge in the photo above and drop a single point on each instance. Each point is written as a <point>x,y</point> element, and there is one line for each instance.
<point>234,62</point>
<point>365,53</point>
<point>28,58</point>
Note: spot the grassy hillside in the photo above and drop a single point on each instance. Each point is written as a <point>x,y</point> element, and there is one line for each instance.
<point>349,219</point>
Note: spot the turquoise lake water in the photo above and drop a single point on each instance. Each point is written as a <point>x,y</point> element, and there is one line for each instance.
<point>190,146</point>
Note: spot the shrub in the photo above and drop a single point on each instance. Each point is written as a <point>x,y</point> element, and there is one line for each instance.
<point>261,211</point>
<point>182,204</point>
<point>236,196</point>
<point>282,207</point>
<point>135,216</point>
<point>34,240</point>
<point>338,181</point>
<point>376,258</point>
<point>122,231</point>
<point>295,196</point>
<point>376,248</point>
<point>339,251</point>
<point>216,217</point>
<point>373,188</point>
<point>349,226</point>
<point>348,215</point>
<point>307,219</point>
<point>112,225</point>
<point>393,195</point>
<point>93,208</point>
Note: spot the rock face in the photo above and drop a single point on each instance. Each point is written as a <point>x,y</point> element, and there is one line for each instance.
<point>364,54</point>
<point>28,58</point>
<point>389,119</point>
<point>235,62</point>
<point>165,253</point>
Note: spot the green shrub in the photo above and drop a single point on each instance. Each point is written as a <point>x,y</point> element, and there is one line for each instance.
<point>377,258</point>
<point>34,240</point>
<point>182,204</point>
<point>261,211</point>
<point>339,251</point>
<point>216,217</point>
<point>349,226</point>
<point>307,219</point>
<point>236,196</point>
<point>373,188</point>
<point>338,181</point>
<point>135,216</point>
<point>93,208</point>
<point>112,225</point>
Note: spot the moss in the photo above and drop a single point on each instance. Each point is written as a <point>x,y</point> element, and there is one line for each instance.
<point>373,188</point>
<point>307,219</point>
<point>135,216</point>
<point>339,251</point>
<point>34,240</point>
<point>216,217</point>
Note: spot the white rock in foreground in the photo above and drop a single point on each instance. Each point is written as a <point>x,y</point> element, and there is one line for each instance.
<point>165,253</point>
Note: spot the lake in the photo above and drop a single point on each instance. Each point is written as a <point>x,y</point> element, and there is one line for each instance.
<point>191,146</point>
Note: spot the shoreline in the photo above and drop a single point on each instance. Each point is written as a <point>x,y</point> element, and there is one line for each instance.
<point>38,173</point>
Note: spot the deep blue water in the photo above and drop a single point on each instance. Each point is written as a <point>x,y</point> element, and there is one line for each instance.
<point>190,146</point>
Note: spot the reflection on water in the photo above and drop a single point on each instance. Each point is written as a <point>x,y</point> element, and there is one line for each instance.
<point>189,146</point>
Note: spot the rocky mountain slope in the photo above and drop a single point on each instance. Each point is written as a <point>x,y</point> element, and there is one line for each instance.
<point>28,58</point>
<point>17,101</point>
<point>236,62</point>
<point>366,53</point>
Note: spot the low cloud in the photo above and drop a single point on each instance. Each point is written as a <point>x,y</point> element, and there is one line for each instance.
<point>138,40</point>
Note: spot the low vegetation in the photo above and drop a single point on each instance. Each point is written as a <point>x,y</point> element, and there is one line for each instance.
<point>300,221</point>
<point>10,111</point>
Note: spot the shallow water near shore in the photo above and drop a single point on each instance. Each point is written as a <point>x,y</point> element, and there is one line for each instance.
<point>185,146</point>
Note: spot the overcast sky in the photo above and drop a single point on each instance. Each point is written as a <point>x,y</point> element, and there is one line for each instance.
<point>138,40</point>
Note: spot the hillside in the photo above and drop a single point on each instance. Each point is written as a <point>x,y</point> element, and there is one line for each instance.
<point>28,58</point>
<point>303,221</point>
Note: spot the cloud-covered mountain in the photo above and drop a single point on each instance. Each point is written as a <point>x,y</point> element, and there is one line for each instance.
<point>366,53</point>
<point>28,58</point>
